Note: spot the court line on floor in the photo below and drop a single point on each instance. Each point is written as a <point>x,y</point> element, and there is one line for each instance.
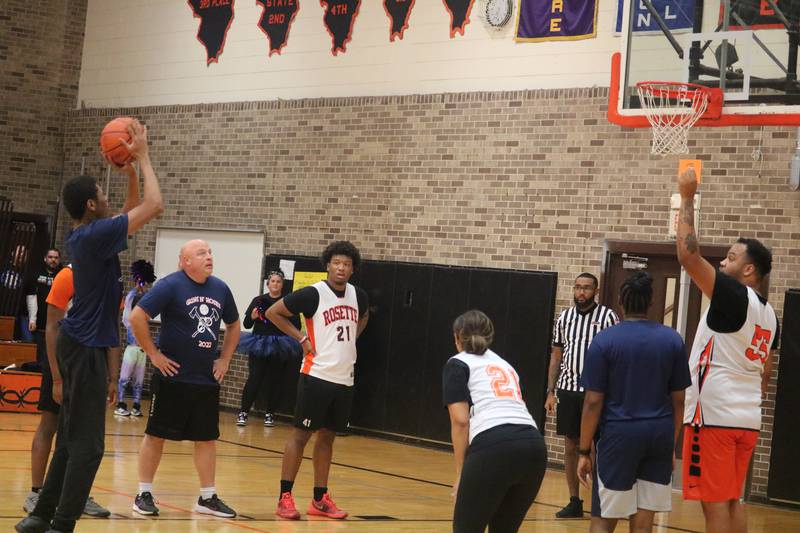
<point>373,471</point>
<point>235,523</point>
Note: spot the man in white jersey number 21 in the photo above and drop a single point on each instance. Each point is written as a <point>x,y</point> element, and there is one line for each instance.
<point>336,313</point>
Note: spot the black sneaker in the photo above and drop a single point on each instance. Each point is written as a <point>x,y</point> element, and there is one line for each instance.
<point>32,524</point>
<point>269,420</point>
<point>241,419</point>
<point>145,505</point>
<point>574,509</point>
<point>213,506</point>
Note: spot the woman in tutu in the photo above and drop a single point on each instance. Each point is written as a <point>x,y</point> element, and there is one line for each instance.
<point>269,351</point>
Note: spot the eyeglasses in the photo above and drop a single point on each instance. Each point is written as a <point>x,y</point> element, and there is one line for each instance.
<point>584,288</point>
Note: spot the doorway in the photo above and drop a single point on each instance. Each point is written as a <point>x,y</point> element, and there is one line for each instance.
<point>660,260</point>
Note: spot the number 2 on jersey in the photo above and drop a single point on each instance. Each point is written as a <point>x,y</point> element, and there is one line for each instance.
<point>501,384</point>
<point>342,332</point>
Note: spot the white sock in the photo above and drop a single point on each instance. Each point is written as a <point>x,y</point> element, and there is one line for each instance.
<point>145,487</point>
<point>207,492</point>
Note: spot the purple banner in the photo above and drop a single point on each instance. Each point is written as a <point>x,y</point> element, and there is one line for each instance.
<point>556,20</point>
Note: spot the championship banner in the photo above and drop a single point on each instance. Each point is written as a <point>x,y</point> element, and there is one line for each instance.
<point>215,17</point>
<point>556,20</point>
<point>398,12</point>
<point>340,16</point>
<point>678,15</point>
<point>276,21</point>
<point>459,15</point>
<point>759,15</point>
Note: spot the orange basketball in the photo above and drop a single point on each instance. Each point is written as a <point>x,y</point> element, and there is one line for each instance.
<point>111,140</point>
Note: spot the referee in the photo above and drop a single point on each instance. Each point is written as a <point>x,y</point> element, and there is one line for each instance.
<point>573,333</point>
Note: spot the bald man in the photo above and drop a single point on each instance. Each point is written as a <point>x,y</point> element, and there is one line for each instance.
<point>185,385</point>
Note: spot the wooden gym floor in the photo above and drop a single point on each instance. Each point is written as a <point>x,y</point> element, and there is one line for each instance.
<point>386,486</point>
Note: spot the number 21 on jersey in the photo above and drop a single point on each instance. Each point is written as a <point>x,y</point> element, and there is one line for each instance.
<point>503,385</point>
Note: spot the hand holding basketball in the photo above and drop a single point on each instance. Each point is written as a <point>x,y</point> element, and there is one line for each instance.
<point>687,183</point>
<point>137,147</point>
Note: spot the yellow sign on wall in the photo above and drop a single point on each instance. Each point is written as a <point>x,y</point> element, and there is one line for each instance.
<point>304,279</point>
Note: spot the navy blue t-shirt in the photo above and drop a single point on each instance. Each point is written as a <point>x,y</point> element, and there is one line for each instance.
<point>636,364</point>
<point>93,319</point>
<point>190,319</point>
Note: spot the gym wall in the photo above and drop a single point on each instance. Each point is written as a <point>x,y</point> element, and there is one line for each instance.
<point>530,179</point>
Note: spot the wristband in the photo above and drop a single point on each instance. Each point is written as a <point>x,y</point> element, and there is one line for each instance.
<point>586,453</point>
<point>304,339</point>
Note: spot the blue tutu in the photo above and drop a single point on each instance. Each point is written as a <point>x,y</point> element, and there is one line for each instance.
<point>277,346</point>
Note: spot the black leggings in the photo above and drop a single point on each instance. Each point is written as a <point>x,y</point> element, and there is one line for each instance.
<point>498,485</point>
<point>268,372</point>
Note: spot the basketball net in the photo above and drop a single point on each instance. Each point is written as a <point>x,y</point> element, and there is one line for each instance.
<point>672,109</point>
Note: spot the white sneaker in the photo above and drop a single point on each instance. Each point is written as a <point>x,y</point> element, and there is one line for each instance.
<point>30,502</point>
<point>241,419</point>
<point>121,411</point>
<point>269,420</point>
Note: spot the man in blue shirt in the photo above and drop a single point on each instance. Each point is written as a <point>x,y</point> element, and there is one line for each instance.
<point>635,374</point>
<point>185,404</point>
<point>88,364</point>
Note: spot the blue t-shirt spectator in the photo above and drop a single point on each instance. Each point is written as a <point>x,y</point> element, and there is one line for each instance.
<point>93,319</point>
<point>190,322</point>
<point>636,364</point>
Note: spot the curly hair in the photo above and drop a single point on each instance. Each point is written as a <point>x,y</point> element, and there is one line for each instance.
<point>142,272</point>
<point>345,248</point>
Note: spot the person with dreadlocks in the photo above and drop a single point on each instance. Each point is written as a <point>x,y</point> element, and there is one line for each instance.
<point>269,352</point>
<point>635,376</point>
<point>134,360</point>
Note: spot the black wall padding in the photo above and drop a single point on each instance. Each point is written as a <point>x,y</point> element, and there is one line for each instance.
<point>409,338</point>
<point>784,468</point>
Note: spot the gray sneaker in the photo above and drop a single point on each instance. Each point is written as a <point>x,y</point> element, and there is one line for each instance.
<point>30,502</point>
<point>92,508</point>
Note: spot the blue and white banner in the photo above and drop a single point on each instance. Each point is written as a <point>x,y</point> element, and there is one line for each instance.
<point>677,14</point>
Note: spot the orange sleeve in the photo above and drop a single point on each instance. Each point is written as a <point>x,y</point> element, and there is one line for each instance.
<point>62,290</point>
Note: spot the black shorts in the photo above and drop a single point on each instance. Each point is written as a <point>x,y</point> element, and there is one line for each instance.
<point>568,413</point>
<point>183,411</point>
<point>46,402</point>
<point>321,403</point>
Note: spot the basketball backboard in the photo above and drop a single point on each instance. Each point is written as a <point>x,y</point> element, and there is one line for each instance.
<point>745,48</point>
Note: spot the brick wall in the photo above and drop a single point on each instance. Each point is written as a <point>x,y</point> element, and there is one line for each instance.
<point>532,180</point>
<point>40,60</point>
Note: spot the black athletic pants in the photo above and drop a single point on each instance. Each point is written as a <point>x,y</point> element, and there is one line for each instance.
<point>268,372</point>
<point>81,433</point>
<point>499,483</point>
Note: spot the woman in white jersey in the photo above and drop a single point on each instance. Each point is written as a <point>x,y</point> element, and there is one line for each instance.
<point>500,454</point>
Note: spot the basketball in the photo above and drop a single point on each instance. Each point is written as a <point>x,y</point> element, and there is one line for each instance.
<point>111,139</point>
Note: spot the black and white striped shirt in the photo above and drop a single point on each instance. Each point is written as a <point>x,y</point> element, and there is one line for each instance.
<point>573,333</point>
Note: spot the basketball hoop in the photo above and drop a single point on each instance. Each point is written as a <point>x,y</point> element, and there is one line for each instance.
<point>672,108</point>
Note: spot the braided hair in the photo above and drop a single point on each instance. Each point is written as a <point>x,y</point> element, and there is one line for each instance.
<point>636,293</point>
